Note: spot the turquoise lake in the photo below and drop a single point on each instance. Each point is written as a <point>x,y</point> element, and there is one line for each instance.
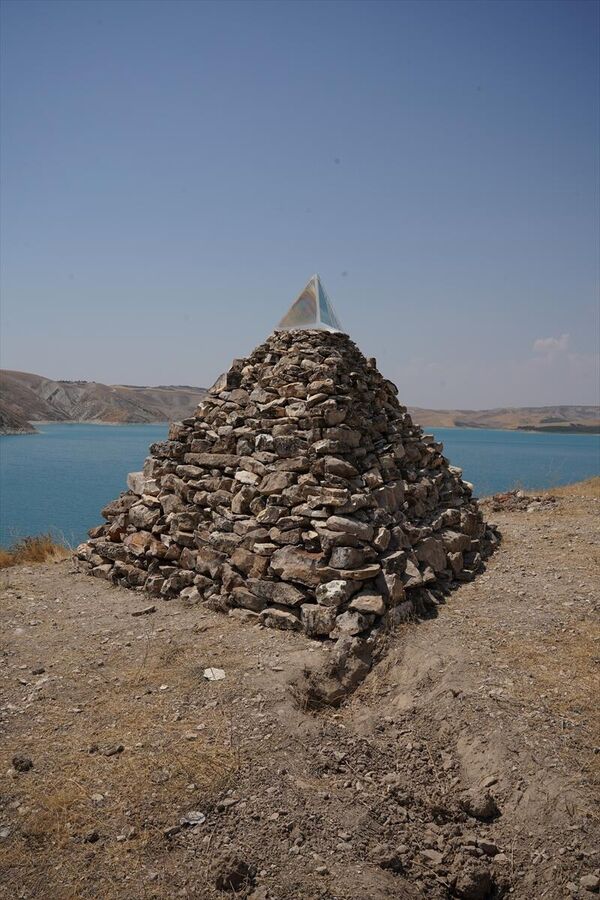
<point>59,480</point>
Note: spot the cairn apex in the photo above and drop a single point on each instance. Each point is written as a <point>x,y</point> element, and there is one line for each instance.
<point>312,309</point>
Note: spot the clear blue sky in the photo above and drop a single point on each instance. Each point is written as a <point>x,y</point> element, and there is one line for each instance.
<point>172,173</point>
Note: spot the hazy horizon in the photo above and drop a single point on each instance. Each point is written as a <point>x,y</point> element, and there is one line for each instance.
<point>172,174</point>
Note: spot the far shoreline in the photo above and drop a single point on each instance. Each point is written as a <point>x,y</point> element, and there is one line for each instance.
<point>532,429</point>
<point>526,429</point>
<point>92,422</point>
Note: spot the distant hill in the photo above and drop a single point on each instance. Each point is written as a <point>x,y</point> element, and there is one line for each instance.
<point>518,418</point>
<point>11,422</point>
<point>28,398</point>
<point>33,398</point>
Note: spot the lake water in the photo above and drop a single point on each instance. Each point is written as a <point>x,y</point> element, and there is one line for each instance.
<point>59,480</point>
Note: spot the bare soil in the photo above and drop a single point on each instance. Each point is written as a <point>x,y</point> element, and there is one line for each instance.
<point>385,797</point>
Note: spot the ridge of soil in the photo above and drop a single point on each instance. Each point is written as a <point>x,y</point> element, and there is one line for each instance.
<point>384,797</point>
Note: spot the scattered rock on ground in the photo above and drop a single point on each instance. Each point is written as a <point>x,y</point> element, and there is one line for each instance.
<point>22,763</point>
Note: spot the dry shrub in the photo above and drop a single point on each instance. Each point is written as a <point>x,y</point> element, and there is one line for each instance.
<point>41,548</point>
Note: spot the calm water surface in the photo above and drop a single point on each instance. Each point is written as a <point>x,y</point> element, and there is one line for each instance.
<point>59,480</point>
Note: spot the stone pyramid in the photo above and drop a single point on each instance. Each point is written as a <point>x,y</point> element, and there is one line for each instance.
<point>312,308</point>
<point>300,494</point>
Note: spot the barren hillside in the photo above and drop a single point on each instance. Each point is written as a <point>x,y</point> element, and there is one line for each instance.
<point>542,418</point>
<point>11,422</point>
<point>34,398</point>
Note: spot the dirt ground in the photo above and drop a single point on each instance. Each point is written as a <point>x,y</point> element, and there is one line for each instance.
<point>465,765</point>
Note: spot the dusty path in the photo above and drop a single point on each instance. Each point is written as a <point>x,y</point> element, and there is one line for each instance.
<point>496,695</point>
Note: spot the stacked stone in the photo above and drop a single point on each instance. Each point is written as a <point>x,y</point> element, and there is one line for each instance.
<point>302,493</point>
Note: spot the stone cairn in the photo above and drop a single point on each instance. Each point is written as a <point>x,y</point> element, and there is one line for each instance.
<point>301,495</point>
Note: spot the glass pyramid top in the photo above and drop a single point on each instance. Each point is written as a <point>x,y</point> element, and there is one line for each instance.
<point>311,309</point>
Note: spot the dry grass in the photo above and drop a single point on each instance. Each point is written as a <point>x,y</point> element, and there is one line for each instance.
<point>75,790</point>
<point>143,791</point>
<point>39,549</point>
<point>584,489</point>
<point>560,672</point>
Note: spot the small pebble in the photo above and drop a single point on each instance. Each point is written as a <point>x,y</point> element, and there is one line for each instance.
<point>113,751</point>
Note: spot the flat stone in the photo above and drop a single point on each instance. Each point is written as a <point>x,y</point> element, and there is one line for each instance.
<point>412,576</point>
<point>294,564</point>
<point>246,477</point>
<point>317,620</point>
<point>344,436</point>
<point>362,574</point>
<point>346,558</point>
<point>367,602</point>
<point>280,618</point>
<point>326,446</point>
<point>285,536</point>
<point>244,615</point>
<point>391,587</point>
<point>146,611</point>
<point>270,515</point>
<point>315,399</point>
<point>141,542</point>
<point>330,539</point>
<point>333,465</point>
<point>247,600</point>
<point>292,464</point>
<point>403,612</point>
<point>351,623</point>
<point>251,564</point>
<point>118,506</point>
<point>212,460</point>
<point>276,482</point>
<point>264,548</point>
<point>324,386</point>
<point>224,541</point>
<point>277,592</point>
<point>140,516</point>
<point>335,593</point>
<point>454,541</point>
<point>251,464</point>
<point>394,562</point>
<point>431,552</point>
<point>350,526</point>
<point>295,389</point>
<point>382,538</point>
<point>135,482</point>
<point>289,445</point>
